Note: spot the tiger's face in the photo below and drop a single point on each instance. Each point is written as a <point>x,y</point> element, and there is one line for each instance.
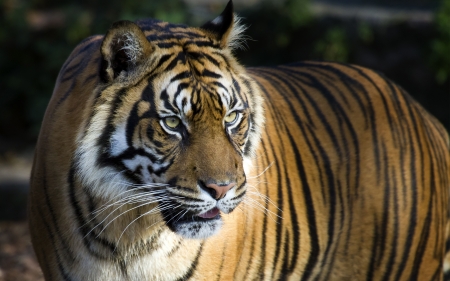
<point>202,132</point>
<point>193,138</point>
<point>176,128</point>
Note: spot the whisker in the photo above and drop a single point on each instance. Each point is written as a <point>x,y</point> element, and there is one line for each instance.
<point>262,196</point>
<point>144,214</point>
<point>128,200</point>
<point>265,170</point>
<point>115,197</point>
<point>146,203</point>
<point>257,205</point>
<point>147,197</point>
<point>185,212</point>
<point>163,218</point>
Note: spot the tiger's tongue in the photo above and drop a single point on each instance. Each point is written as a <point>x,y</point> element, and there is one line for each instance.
<point>210,214</point>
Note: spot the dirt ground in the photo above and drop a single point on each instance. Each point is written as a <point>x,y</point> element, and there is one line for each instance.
<point>17,259</point>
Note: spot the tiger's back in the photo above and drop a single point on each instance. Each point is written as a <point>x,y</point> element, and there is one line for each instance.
<point>346,179</point>
<point>364,174</point>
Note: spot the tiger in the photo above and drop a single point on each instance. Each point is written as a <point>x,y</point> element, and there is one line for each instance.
<point>161,157</point>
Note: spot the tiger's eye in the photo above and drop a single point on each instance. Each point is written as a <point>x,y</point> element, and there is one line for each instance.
<point>230,118</point>
<point>172,122</point>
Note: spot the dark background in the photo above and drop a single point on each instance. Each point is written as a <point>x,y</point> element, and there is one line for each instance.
<point>408,40</point>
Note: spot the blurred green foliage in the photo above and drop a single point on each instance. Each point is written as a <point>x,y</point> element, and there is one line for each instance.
<point>36,37</point>
<point>365,32</point>
<point>440,54</point>
<point>333,46</point>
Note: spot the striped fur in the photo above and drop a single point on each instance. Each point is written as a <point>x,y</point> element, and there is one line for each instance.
<point>342,177</point>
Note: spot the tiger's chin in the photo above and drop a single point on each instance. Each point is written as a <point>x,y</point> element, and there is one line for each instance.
<point>196,226</point>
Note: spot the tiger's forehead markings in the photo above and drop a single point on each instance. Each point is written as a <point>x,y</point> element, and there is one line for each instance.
<point>196,67</point>
<point>183,97</point>
<point>183,90</point>
<point>166,35</point>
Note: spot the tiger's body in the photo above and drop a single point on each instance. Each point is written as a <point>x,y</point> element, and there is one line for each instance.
<point>320,171</point>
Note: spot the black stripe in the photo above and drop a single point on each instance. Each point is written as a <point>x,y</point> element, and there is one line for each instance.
<point>287,263</point>
<point>203,42</point>
<point>380,227</point>
<point>386,204</point>
<point>331,192</point>
<point>191,270</point>
<point>353,86</point>
<point>67,93</point>
<point>201,56</point>
<point>131,124</point>
<point>286,268</point>
<point>413,189</point>
<point>261,265</point>
<point>280,200</point>
<point>299,94</point>
<point>373,123</point>
<point>310,214</point>
<point>165,45</point>
<point>238,197</point>
<point>263,231</point>
<point>90,77</point>
<point>252,249</point>
<point>421,247</point>
<point>104,139</point>
<point>61,269</point>
<point>81,51</point>
<point>78,67</point>
<point>374,250</point>
<point>82,223</point>
<point>163,59</point>
<point>236,93</point>
<point>65,245</point>
<point>394,243</point>
<point>343,117</point>
<point>208,73</point>
<point>211,59</point>
<point>278,223</point>
<point>333,104</point>
<point>181,86</point>
<point>179,57</point>
<point>219,274</point>
<point>180,76</point>
<point>318,111</point>
<point>313,258</point>
<point>432,187</point>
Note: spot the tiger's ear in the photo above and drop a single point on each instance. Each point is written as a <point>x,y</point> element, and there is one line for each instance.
<point>123,49</point>
<point>225,28</point>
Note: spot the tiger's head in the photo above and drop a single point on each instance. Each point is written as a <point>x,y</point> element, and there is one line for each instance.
<point>176,121</point>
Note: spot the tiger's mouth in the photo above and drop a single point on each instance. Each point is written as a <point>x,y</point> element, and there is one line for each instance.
<point>194,226</point>
<point>199,216</point>
<point>211,214</point>
<point>172,217</point>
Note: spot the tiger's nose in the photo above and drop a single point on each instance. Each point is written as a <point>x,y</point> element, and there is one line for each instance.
<point>220,190</point>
